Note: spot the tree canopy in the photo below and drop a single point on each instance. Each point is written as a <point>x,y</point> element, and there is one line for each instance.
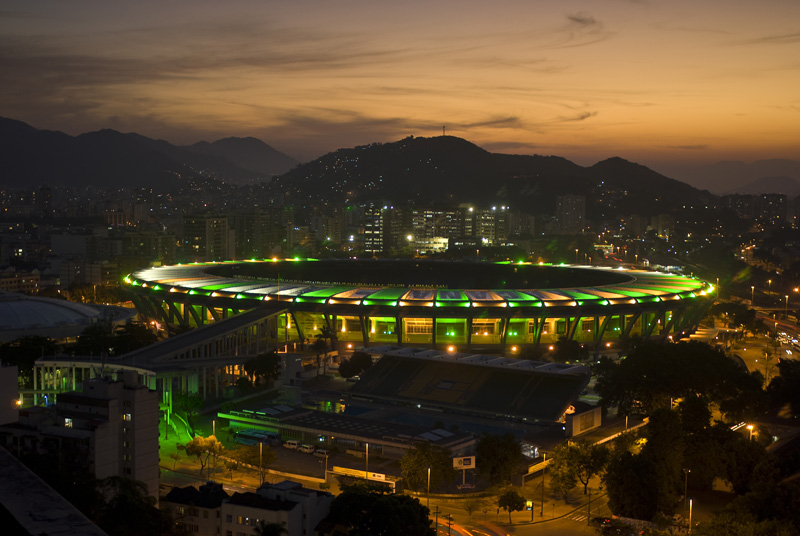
<point>655,373</point>
<point>498,456</point>
<point>415,463</point>
<point>357,364</point>
<point>511,501</point>
<point>203,448</point>
<point>367,512</point>
<point>265,366</point>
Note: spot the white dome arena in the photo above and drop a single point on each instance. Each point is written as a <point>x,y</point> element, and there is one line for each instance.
<point>22,316</point>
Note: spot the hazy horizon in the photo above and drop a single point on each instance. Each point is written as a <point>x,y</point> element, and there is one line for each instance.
<point>659,84</point>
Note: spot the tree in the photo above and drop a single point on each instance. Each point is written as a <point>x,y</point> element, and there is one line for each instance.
<point>24,352</point>
<point>320,347</point>
<point>367,512</point>
<point>356,365</point>
<point>499,456</point>
<point>582,458</point>
<point>563,472</point>
<point>783,391</point>
<point>132,336</point>
<point>203,448</point>
<point>266,366</point>
<point>129,510</point>
<point>415,463</point>
<point>189,404</point>
<point>253,455</point>
<point>270,529</point>
<point>96,339</point>
<point>568,350</point>
<point>231,467</point>
<point>472,504</point>
<point>511,501</point>
<point>655,373</point>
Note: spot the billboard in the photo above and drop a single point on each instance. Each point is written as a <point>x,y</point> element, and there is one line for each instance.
<point>464,462</point>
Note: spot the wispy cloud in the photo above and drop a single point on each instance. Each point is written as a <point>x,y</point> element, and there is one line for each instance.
<point>776,39</point>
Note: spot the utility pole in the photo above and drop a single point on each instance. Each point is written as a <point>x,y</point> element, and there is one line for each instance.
<point>543,470</point>
<point>589,510</point>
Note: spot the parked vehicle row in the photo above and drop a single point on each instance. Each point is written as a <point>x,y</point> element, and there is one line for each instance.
<point>294,444</point>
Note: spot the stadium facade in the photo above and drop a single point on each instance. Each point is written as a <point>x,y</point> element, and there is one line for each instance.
<point>504,308</point>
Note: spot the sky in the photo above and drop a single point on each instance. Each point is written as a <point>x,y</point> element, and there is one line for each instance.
<point>651,81</point>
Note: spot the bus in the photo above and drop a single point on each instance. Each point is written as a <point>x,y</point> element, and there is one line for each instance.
<point>254,437</point>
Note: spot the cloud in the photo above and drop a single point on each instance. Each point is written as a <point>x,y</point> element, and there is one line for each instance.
<point>581,30</point>
<point>580,117</point>
<point>582,20</point>
<point>498,122</point>
<point>777,39</point>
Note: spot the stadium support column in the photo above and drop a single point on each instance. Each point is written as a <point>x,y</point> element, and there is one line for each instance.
<point>364,320</point>
<point>330,321</point>
<point>598,334</point>
<point>398,328</point>
<point>503,332</point>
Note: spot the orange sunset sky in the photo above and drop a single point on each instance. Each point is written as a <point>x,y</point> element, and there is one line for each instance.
<point>650,81</point>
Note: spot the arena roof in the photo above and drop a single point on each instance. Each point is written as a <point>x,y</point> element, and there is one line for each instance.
<point>22,315</point>
<point>399,283</point>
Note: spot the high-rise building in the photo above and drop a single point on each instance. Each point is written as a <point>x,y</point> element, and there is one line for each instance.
<point>122,417</point>
<point>207,237</point>
<point>570,213</point>
<point>109,428</point>
<point>373,229</point>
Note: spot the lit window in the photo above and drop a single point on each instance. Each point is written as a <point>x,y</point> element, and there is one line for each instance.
<point>126,417</point>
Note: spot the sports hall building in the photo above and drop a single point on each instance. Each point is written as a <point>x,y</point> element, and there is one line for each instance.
<point>503,308</point>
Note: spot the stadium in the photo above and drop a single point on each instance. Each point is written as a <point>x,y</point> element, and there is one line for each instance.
<point>507,308</point>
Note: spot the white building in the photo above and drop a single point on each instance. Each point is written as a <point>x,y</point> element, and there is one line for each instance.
<point>209,511</point>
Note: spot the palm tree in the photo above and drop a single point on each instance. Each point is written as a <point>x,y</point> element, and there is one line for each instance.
<point>270,529</point>
<point>320,347</point>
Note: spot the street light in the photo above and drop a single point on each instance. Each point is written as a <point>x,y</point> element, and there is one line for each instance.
<point>753,296</point>
<point>576,255</point>
<point>686,485</point>
<point>428,500</point>
<point>260,463</point>
<point>750,427</point>
<point>690,517</point>
<point>786,309</point>
<point>543,471</point>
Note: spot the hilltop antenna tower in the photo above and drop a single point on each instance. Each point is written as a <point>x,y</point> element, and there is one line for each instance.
<point>443,130</point>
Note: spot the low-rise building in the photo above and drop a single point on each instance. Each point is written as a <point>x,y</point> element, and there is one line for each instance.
<point>209,510</point>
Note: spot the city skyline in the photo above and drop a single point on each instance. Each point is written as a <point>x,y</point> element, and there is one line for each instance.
<point>655,83</point>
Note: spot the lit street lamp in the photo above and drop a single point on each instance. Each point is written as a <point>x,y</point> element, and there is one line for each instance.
<point>750,427</point>
<point>753,296</point>
<point>786,309</point>
<point>543,471</point>
<point>686,485</point>
<point>576,255</point>
<point>428,499</point>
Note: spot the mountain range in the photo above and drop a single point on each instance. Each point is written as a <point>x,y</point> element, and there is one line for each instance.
<point>108,158</point>
<point>442,169</point>
<point>446,169</point>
